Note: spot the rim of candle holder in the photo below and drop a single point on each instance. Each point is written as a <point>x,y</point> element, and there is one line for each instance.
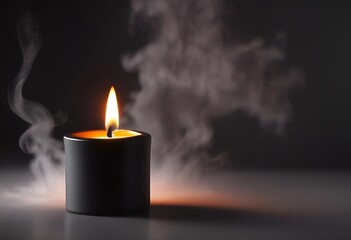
<point>70,136</point>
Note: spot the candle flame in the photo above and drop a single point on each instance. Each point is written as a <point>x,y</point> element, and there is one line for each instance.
<point>112,116</point>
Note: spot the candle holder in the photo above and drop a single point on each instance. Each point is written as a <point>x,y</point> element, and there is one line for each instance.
<point>107,176</point>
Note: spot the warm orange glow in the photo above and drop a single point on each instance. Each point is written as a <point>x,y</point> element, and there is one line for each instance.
<point>112,116</point>
<point>102,134</point>
<point>111,123</point>
<point>185,195</point>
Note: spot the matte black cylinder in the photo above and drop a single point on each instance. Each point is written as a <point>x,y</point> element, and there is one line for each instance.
<point>108,176</point>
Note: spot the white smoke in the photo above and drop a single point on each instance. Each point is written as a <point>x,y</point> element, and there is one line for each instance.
<point>189,75</point>
<point>37,140</point>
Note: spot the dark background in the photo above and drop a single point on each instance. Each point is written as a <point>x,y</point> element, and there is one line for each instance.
<point>83,43</point>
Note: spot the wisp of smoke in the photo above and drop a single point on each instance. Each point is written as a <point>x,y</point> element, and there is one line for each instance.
<point>37,140</point>
<point>189,75</point>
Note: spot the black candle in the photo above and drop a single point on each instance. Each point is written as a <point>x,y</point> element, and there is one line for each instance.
<point>108,171</point>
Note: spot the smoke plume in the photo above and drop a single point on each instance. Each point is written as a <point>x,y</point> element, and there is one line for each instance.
<point>189,75</point>
<point>37,140</point>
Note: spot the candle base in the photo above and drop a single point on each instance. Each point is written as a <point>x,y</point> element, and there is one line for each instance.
<point>108,177</point>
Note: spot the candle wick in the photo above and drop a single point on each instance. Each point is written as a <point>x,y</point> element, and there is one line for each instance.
<point>110,129</point>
